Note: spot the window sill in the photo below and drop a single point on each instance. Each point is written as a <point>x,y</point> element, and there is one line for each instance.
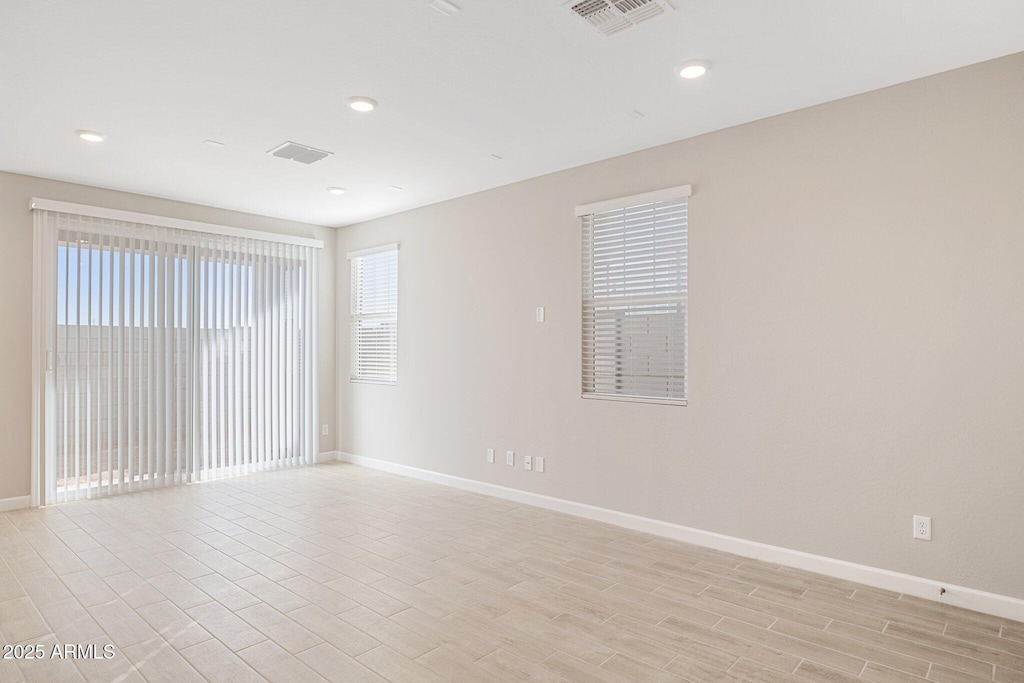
<point>636,399</point>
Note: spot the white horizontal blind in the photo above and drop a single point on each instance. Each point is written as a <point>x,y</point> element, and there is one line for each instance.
<point>634,302</point>
<point>180,356</point>
<point>374,308</point>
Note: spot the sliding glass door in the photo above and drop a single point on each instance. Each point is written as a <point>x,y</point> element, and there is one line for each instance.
<point>123,361</point>
<point>173,355</point>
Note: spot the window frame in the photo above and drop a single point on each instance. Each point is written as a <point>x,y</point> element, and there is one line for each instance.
<point>355,317</point>
<point>119,237</point>
<point>679,193</point>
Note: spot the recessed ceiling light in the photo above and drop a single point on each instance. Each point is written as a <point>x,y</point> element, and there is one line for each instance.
<point>336,190</point>
<point>695,68</point>
<point>90,135</point>
<point>394,187</point>
<point>362,103</point>
<point>444,7</point>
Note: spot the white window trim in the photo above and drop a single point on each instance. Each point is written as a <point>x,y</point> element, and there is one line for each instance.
<point>394,246</point>
<point>677,192</point>
<point>635,399</point>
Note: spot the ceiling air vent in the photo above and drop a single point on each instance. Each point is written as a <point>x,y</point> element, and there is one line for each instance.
<point>300,153</point>
<point>608,17</point>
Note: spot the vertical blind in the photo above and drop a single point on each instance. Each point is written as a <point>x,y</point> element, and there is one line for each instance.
<point>634,301</point>
<point>179,356</point>
<point>374,308</point>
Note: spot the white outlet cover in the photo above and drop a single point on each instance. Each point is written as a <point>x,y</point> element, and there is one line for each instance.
<point>324,430</point>
<point>490,455</point>
<point>540,314</point>
<point>538,463</point>
<point>510,458</point>
<point>922,528</point>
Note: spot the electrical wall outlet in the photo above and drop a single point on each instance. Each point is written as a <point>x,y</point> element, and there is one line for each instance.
<point>540,314</point>
<point>922,528</point>
<point>490,455</point>
<point>323,430</point>
<point>528,462</point>
<point>510,458</point>
<point>538,463</point>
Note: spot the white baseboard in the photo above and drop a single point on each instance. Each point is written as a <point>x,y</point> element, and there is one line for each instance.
<point>15,503</point>
<point>326,456</point>
<point>960,596</point>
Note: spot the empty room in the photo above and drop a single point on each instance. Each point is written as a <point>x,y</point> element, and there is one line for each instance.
<point>533,340</point>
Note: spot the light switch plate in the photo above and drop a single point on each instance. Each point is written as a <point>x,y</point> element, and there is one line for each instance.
<point>510,458</point>
<point>538,463</point>
<point>490,455</point>
<point>528,462</point>
<point>540,314</point>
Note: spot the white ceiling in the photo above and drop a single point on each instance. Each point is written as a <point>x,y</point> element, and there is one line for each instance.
<point>523,79</point>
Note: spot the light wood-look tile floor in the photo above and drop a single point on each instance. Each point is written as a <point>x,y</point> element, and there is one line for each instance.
<point>347,574</point>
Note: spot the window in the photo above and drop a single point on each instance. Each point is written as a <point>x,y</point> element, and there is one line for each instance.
<point>634,297</point>
<point>374,310</point>
<point>178,354</point>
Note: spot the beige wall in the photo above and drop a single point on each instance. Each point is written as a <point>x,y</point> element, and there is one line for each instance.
<point>856,334</point>
<point>16,302</point>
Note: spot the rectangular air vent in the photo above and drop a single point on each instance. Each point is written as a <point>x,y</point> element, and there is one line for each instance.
<point>303,154</point>
<point>608,17</point>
